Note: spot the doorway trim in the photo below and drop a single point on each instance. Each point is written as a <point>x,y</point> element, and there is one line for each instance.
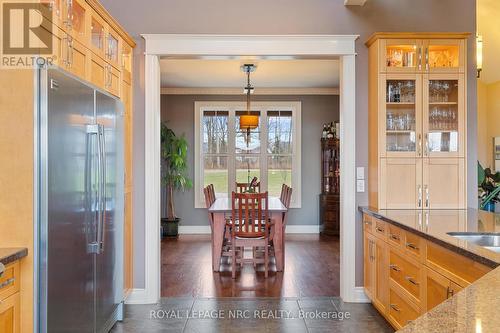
<point>262,47</point>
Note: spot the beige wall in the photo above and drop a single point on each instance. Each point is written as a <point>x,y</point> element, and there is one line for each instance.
<point>493,115</point>
<point>482,125</point>
<point>488,125</point>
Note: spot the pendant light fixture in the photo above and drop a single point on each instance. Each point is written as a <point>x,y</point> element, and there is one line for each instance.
<point>248,121</point>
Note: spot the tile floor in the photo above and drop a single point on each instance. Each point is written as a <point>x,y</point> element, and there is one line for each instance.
<point>243,315</point>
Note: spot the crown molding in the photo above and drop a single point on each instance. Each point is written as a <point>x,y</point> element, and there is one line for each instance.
<point>258,91</point>
<point>354,2</point>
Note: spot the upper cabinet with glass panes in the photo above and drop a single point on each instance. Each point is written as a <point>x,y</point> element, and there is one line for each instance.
<point>420,53</point>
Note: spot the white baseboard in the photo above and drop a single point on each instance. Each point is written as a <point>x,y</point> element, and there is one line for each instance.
<point>290,229</point>
<point>302,229</point>
<point>360,296</point>
<point>194,229</point>
<point>137,296</point>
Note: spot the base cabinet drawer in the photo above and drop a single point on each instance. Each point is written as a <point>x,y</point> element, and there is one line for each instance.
<point>401,311</point>
<point>414,246</point>
<point>10,320</point>
<point>406,273</point>
<point>9,281</point>
<point>380,229</point>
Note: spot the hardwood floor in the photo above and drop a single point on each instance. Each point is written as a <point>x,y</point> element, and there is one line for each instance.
<point>311,270</point>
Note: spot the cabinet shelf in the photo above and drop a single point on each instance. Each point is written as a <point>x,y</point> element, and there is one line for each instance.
<point>400,103</point>
<point>443,103</point>
<point>399,131</point>
<point>442,131</point>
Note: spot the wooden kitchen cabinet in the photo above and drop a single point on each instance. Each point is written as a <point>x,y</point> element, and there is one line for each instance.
<point>381,300</point>
<point>376,263</point>
<point>369,264</point>
<point>438,288</point>
<point>128,265</point>
<point>406,275</point>
<point>420,52</point>
<point>417,110</point>
<point>402,187</point>
<point>401,310</point>
<point>444,184</point>
<point>10,320</point>
<point>76,20</point>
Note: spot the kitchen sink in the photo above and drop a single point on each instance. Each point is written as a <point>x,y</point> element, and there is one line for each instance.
<point>491,242</point>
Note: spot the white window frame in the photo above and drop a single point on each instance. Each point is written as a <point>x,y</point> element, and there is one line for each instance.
<point>263,107</point>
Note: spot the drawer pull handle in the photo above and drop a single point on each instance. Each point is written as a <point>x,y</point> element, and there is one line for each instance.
<point>7,282</point>
<point>411,280</point>
<point>395,308</point>
<point>449,292</point>
<point>412,246</point>
<point>368,223</point>
<point>394,268</point>
<point>379,229</point>
<point>395,237</point>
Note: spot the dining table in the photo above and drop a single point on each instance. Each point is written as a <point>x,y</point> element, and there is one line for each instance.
<point>223,206</point>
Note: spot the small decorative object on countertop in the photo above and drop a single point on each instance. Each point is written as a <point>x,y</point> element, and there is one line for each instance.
<point>8,255</point>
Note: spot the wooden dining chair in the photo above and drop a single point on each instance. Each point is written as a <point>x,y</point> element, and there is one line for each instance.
<point>250,228</point>
<point>286,197</point>
<point>283,191</point>
<point>209,200</point>
<point>244,187</point>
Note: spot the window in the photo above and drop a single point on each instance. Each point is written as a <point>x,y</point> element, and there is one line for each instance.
<point>225,154</point>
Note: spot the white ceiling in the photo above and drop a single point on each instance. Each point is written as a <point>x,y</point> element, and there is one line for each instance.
<point>488,13</point>
<point>208,73</point>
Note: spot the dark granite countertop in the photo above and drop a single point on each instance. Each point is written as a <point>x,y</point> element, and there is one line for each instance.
<point>8,255</point>
<point>475,308</point>
<point>434,225</point>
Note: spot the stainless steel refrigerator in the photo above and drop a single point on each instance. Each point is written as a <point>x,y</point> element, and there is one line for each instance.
<point>80,205</point>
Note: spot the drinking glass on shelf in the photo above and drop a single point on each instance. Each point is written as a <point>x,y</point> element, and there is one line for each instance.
<point>390,122</point>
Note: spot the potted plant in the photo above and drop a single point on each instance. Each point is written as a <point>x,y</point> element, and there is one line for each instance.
<point>489,189</point>
<point>174,175</point>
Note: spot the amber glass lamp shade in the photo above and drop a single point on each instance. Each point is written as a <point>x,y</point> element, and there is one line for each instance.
<point>249,121</point>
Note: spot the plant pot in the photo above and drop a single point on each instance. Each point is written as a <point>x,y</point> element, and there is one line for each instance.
<point>490,207</point>
<point>170,227</point>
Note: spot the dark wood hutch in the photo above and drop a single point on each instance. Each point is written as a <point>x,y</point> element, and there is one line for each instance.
<point>329,199</point>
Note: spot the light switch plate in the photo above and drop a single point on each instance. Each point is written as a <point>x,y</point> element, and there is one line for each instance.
<point>360,173</point>
<point>360,185</point>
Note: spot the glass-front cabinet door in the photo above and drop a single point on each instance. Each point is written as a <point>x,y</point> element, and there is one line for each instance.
<point>402,105</point>
<point>444,56</point>
<point>97,35</point>
<point>54,11</point>
<point>113,48</point>
<point>401,55</point>
<point>444,116</point>
<point>75,19</point>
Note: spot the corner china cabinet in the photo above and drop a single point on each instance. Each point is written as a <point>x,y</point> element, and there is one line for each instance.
<point>329,199</point>
<point>417,120</point>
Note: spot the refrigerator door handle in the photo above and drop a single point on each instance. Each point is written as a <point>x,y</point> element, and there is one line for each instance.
<point>103,188</point>
<point>99,190</point>
<point>93,130</point>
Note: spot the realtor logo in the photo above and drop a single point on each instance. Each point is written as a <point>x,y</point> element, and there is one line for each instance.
<point>22,29</point>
